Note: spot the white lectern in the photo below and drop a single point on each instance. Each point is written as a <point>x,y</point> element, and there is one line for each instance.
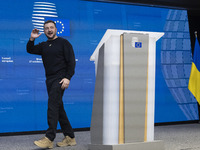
<point>124,98</point>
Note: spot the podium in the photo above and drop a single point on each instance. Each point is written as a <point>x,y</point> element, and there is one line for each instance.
<point>124,98</point>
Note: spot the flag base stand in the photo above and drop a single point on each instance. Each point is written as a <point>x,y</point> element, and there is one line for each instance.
<point>154,145</point>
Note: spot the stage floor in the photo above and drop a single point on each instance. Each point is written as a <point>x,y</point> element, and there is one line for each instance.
<point>175,137</point>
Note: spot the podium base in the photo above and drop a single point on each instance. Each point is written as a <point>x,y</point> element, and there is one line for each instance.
<point>154,145</point>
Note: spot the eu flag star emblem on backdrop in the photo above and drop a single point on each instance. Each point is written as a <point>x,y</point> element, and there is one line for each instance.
<point>62,26</point>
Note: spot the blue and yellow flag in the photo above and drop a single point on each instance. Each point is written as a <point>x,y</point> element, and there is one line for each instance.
<point>63,27</point>
<point>194,81</point>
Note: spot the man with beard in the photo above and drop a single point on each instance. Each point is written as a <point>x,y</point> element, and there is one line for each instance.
<point>59,63</point>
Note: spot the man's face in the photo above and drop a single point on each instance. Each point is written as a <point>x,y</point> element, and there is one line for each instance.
<point>50,31</point>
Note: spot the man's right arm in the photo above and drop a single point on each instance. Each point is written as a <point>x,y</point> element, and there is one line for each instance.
<point>30,47</point>
<point>33,49</point>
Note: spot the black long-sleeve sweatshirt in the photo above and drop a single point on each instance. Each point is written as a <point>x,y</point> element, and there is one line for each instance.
<point>57,55</point>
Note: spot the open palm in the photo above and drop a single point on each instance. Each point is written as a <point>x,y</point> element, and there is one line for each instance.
<point>35,33</point>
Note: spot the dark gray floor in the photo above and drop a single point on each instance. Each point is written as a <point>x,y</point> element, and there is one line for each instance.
<point>175,137</point>
<point>179,137</point>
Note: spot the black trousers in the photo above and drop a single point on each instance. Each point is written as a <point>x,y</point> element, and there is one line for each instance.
<point>56,112</point>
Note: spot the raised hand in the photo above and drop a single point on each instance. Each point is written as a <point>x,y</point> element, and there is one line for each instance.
<point>35,34</point>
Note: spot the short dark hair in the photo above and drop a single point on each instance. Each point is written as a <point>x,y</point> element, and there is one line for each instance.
<point>50,21</point>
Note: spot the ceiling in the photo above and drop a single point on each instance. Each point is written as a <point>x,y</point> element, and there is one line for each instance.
<point>180,4</point>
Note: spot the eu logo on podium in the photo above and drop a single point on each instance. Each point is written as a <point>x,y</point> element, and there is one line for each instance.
<point>138,44</point>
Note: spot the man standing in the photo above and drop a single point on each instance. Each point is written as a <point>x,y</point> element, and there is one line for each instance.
<point>59,63</point>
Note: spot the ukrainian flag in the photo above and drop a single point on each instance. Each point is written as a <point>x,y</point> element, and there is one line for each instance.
<point>194,81</point>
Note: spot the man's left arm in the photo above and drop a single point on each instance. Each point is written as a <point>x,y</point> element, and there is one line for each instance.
<point>71,63</point>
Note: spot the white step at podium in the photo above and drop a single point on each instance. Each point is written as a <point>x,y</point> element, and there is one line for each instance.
<point>124,98</point>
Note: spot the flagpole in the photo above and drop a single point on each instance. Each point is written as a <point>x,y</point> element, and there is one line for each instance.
<point>195,34</point>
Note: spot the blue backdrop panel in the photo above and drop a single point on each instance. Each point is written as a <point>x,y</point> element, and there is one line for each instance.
<point>23,96</point>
